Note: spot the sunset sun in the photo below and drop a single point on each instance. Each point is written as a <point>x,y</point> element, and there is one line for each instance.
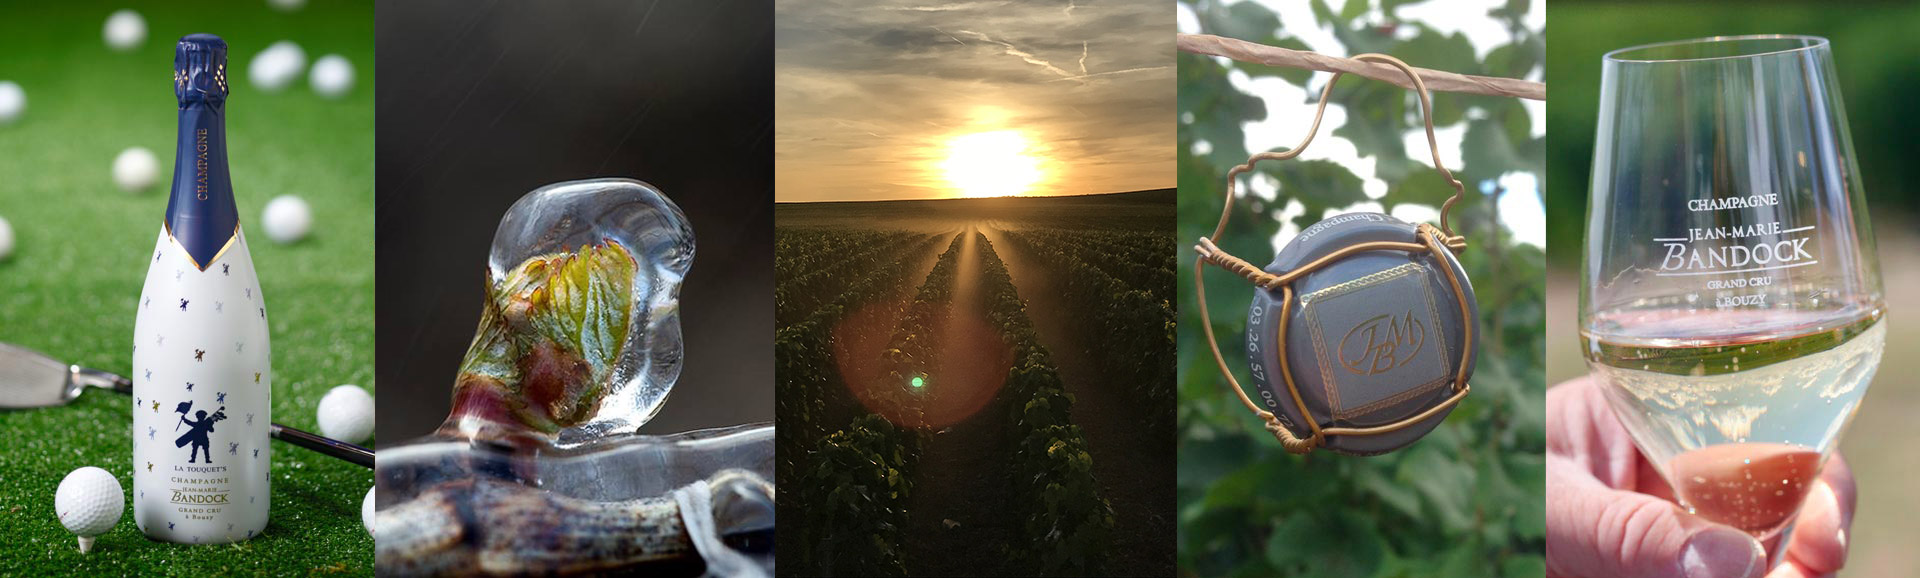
<point>991,164</point>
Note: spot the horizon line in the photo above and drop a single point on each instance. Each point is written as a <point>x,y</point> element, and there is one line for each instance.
<point>1065,196</point>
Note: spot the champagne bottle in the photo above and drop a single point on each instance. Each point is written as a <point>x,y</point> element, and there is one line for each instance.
<point>201,373</point>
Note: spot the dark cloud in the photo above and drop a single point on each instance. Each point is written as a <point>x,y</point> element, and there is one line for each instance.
<point>911,39</point>
<point>869,93</point>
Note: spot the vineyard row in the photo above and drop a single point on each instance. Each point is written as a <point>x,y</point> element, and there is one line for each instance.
<point>1068,524</point>
<point>1132,327</point>
<point>855,482</point>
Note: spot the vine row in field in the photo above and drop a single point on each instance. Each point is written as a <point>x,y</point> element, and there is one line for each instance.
<point>1131,323</point>
<point>1141,260</point>
<point>836,261</point>
<point>1069,524</point>
<point>854,482</point>
<point>810,400</point>
<point>799,251</point>
<point>911,348</point>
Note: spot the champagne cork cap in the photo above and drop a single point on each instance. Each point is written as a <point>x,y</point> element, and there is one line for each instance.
<point>1371,339</point>
<point>200,68</point>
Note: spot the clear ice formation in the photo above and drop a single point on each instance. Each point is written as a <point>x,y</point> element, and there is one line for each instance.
<point>696,503</point>
<point>565,217</point>
<point>537,470</point>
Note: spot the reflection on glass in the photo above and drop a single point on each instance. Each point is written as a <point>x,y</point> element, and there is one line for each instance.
<point>1730,296</point>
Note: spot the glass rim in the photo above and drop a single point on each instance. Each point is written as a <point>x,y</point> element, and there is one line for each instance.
<point>1809,43</point>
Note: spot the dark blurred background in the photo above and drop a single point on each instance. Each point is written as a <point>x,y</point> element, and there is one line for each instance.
<point>480,103</point>
<point>1876,53</point>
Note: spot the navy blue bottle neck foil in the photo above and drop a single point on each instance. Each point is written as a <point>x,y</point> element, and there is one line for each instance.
<point>201,216</point>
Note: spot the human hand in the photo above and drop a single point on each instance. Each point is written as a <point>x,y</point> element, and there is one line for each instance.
<point>1609,513</point>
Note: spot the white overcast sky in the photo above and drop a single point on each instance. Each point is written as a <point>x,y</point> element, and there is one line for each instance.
<point>1520,207</point>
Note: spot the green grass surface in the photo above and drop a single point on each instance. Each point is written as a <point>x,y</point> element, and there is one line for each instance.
<point>82,247</point>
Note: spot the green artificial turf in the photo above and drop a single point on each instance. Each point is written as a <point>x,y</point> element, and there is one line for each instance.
<point>82,247</point>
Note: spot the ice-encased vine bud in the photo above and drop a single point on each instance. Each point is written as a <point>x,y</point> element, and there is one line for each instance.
<point>580,335</point>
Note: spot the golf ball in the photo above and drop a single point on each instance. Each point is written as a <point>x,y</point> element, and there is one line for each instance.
<point>276,67</point>
<point>89,502</point>
<point>332,76</point>
<point>136,169</point>
<point>13,101</point>
<point>346,414</point>
<point>287,5</point>
<point>6,239</point>
<point>125,30</point>
<point>287,218</point>
<point>366,512</point>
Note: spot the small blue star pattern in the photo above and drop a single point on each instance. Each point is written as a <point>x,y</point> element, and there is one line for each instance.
<point>182,345</point>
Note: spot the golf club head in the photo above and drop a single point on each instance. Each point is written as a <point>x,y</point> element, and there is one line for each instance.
<point>31,379</point>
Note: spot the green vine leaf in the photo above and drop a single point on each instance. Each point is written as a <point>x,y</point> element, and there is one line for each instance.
<point>551,335</point>
<point>1319,185</point>
<point>1354,9</point>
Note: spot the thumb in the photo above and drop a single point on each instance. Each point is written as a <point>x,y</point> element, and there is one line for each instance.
<point>1594,531</point>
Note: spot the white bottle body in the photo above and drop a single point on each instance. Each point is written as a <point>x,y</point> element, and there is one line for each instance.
<point>200,339</point>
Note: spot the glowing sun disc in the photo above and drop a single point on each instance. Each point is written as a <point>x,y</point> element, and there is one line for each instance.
<point>991,164</point>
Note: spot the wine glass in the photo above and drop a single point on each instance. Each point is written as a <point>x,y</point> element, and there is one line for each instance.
<point>1730,299</point>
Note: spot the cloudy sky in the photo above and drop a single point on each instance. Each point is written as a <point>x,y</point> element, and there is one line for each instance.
<point>871,96</point>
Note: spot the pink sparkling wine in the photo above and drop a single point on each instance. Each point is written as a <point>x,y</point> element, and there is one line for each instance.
<point>1756,487</point>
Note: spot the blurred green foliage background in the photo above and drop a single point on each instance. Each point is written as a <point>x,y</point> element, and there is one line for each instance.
<point>82,248</point>
<point>1876,52</point>
<point>1468,499</point>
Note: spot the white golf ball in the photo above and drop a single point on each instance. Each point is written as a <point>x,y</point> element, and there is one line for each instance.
<point>287,219</point>
<point>89,502</point>
<point>6,239</point>
<point>287,5</point>
<point>366,512</point>
<point>277,66</point>
<point>13,101</point>
<point>136,169</point>
<point>125,30</point>
<point>346,414</point>
<point>332,76</point>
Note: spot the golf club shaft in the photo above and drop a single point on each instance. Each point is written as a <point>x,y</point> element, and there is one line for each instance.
<point>311,441</point>
<point>323,444</point>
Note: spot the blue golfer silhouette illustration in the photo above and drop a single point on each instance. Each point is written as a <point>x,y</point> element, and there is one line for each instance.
<point>197,431</point>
